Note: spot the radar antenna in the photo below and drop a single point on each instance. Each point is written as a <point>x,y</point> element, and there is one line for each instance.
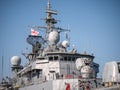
<point>50,21</point>
<point>48,4</point>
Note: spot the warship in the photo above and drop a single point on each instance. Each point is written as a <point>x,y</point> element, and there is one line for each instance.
<point>52,66</point>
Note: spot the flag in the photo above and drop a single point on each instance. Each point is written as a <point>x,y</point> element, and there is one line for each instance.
<point>34,32</point>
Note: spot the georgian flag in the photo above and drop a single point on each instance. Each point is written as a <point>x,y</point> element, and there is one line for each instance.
<point>34,32</point>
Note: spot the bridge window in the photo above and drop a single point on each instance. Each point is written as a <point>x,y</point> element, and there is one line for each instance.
<point>65,58</point>
<point>118,67</point>
<point>51,58</point>
<point>69,59</point>
<point>55,57</point>
<point>73,58</point>
<point>61,58</point>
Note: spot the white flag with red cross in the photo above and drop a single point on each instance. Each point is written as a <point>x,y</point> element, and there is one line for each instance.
<point>34,32</point>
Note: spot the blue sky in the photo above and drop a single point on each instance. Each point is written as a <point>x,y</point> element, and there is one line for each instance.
<point>94,25</point>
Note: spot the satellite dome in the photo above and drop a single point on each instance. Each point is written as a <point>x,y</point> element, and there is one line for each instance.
<point>15,60</point>
<point>65,43</point>
<point>80,62</point>
<point>54,37</point>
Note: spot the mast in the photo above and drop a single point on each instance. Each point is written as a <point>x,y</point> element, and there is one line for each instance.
<point>48,4</point>
<point>47,42</point>
<point>50,21</point>
<point>2,69</point>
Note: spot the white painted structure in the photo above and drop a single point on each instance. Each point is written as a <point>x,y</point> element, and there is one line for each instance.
<point>111,72</point>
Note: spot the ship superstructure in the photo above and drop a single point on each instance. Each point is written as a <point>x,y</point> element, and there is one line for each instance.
<point>51,65</point>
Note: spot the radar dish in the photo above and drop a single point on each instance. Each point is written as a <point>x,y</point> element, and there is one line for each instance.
<point>32,40</point>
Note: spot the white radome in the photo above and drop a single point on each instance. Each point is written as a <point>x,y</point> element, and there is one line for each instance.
<point>54,37</point>
<point>15,60</point>
<point>65,43</point>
